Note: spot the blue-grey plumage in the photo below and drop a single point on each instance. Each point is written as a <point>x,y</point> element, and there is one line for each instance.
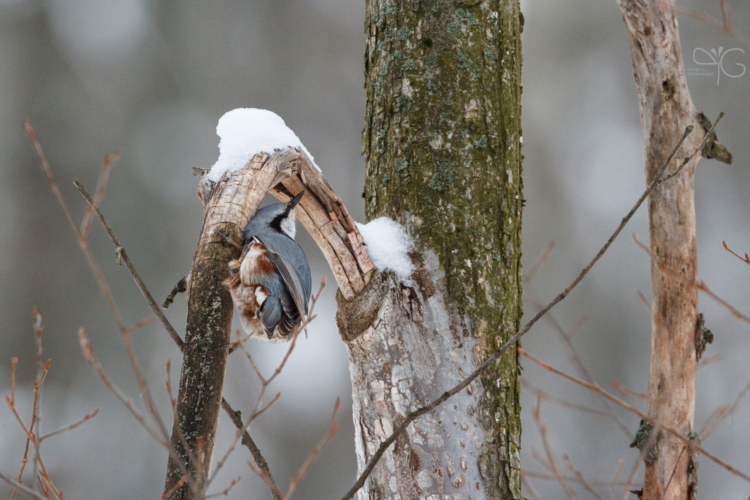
<point>270,283</point>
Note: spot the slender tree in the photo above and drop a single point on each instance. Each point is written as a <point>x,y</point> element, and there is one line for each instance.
<point>443,147</point>
<point>666,110</point>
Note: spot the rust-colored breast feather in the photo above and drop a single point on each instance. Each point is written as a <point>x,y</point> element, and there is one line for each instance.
<point>243,285</point>
<point>254,261</point>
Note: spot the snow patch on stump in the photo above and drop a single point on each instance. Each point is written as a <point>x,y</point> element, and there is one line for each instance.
<point>388,245</point>
<point>245,132</point>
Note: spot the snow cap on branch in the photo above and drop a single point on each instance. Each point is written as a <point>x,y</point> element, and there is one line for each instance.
<point>388,245</point>
<point>245,132</point>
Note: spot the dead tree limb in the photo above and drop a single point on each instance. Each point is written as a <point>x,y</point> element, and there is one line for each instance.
<point>666,110</point>
<point>228,206</point>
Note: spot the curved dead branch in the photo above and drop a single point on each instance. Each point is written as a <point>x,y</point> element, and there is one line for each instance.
<point>285,174</point>
<point>228,205</point>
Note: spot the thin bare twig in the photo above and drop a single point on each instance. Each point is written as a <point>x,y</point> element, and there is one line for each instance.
<point>723,412</point>
<point>713,421</point>
<point>40,366</point>
<point>32,432</point>
<point>562,402</point>
<point>29,431</point>
<point>334,428</point>
<point>745,259</point>
<point>636,466</point>
<point>24,461</point>
<point>614,483</point>
<point>71,426</point>
<point>142,323</point>
<point>262,468</point>
<point>671,430</point>
<point>31,437</point>
<point>176,487</point>
<point>581,479</point>
<point>723,24</point>
<point>704,362</point>
<point>540,261</point>
<point>101,186</point>
<point>628,392</point>
<point>88,353</point>
<point>539,458</point>
<point>258,410</point>
<point>551,462</point>
<point>527,485</point>
<point>264,476</point>
<point>103,285</point>
<point>238,436</point>
<point>411,416</point>
<point>20,487</point>
<point>572,479</point>
<point>80,238</point>
<point>641,244</point>
<point>737,314</point>
<point>48,174</point>
<point>567,338</point>
<point>36,407</point>
<point>45,490</point>
<point>122,254</point>
<point>225,492</point>
<point>644,302</point>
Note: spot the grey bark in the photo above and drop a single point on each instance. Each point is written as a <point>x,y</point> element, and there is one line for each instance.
<point>442,143</point>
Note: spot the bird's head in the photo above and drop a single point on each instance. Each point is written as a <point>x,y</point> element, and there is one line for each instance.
<point>276,217</point>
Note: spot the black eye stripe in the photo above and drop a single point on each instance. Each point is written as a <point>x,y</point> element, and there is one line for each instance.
<point>276,222</point>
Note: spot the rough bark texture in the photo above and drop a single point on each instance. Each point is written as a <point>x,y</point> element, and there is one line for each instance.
<point>666,109</point>
<point>443,151</point>
<point>209,324</point>
<point>228,206</point>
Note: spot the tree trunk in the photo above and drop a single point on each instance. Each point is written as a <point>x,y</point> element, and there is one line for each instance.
<point>226,209</point>
<point>666,109</point>
<point>442,142</point>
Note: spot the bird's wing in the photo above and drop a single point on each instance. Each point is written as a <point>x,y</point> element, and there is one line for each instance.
<point>291,280</point>
<point>270,315</point>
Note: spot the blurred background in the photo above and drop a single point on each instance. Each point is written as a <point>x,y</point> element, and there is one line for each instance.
<point>151,78</point>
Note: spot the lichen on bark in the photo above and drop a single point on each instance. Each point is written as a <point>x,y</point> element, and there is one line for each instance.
<point>443,147</point>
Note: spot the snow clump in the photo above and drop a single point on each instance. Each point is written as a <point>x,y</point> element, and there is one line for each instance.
<point>245,132</point>
<point>388,245</point>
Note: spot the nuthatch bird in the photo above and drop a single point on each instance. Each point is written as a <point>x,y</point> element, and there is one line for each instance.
<point>270,283</point>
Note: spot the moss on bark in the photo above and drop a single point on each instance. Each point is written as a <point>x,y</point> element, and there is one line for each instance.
<point>443,147</point>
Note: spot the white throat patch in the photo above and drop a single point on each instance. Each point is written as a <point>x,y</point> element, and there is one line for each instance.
<point>288,225</point>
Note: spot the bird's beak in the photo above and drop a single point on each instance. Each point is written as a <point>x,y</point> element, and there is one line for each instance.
<point>294,201</point>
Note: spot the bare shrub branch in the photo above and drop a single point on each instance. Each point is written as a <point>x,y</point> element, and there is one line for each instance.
<point>551,462</point>
<point>671,430</point>
<point>333,429</point>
